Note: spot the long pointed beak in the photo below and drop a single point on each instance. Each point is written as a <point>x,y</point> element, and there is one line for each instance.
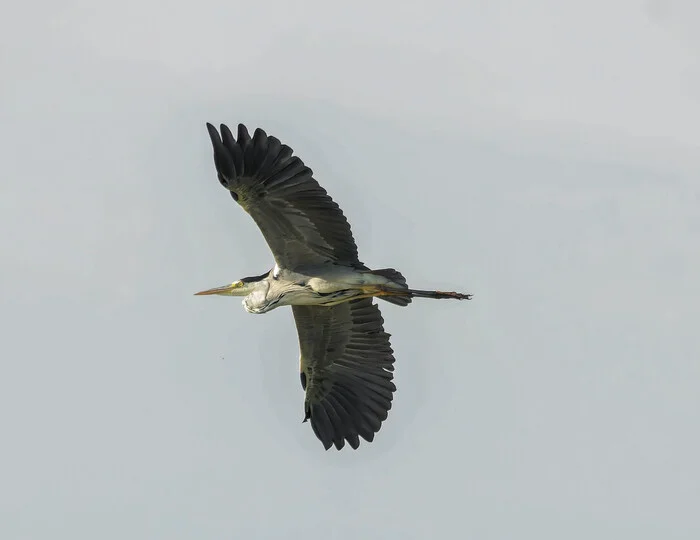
<point>223,290</point>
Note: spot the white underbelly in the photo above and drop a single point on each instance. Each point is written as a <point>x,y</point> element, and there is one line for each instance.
<point>354,281</point>
<point>322,286</point>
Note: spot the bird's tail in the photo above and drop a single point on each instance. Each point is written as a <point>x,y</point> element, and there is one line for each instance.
<point>399,281</point>
<point>401,295</point>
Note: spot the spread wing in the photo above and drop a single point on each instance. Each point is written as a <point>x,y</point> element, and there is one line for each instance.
<point>300,222</point>
<point>346,370</point>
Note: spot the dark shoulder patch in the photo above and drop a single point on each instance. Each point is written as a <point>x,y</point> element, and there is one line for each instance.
<point>302,376</point>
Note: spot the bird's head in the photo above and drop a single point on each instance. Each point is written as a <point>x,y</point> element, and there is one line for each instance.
<point>242,287</point>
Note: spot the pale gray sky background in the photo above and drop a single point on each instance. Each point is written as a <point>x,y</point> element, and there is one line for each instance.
<point>542,155</point>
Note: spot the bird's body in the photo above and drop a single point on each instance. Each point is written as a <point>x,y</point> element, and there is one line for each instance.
<point>346,360</point>
<point>323,285</point>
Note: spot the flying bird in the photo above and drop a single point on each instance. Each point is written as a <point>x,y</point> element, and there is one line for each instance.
<point>346,361</point>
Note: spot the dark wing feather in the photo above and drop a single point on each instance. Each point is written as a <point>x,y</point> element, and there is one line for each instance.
<point>300,222</point>
<point>346,370</point>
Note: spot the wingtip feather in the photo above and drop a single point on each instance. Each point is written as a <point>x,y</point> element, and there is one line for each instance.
<point>243,135</point>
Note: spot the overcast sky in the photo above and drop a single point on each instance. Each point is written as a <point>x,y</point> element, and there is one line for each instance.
<point>542,155</point>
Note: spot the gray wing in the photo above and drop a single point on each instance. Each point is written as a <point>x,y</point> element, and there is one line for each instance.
<point>300,222</point>
<point>346,369</point>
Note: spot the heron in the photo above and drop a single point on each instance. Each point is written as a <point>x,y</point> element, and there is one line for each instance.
<point>346,361</point>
